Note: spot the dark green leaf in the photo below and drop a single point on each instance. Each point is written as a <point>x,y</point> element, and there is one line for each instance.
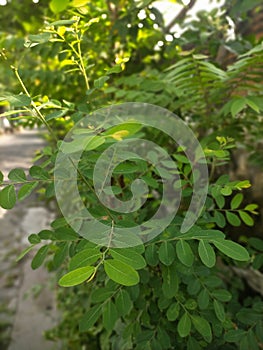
<point>17,175</point>
<point>184,325</point>
<point>1,177</point>
<point>101,294</point>
<point>173,312</point>
<point>65,234</point>
<point>184,253</point>
<point>109,315</point>
<point>90,318</point>
<point>34,239</point>
<point>170,281</point>
<point>234,335</point>
<point>38,173</point>
<point>60,255</point>
<point>203,299</point>
<point>222,295</point>
<point>123,303</point>
<point>26,190</point>
<point>219,310</point>
<point>206,253</point>
<point>202,327</point>
<point>166,253</point>
<point>39,257</point>
<point>8,197</point>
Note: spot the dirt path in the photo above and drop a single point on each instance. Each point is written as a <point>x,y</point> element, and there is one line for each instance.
<point>23,316</point>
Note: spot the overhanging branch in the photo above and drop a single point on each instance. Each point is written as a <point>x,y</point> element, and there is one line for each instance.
<point>181,15</point>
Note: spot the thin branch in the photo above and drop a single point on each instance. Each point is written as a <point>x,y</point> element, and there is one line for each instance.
<point>181,15</point>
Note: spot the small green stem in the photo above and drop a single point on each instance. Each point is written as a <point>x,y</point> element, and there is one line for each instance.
<point>37,111</point>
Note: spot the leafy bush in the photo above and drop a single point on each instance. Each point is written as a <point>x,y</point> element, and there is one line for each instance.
<point>178,290</point>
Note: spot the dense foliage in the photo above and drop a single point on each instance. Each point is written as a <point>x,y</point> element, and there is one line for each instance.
<point>180,290</point>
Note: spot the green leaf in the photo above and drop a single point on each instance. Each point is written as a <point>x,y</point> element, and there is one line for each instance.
<point>247,219</point>
<point>101,294</point>
<point>194,286</point>
<point>24,252</point>
<point>173,312</point>
<point>115,69</point>
<point>252,208</point>
<point>184,253</point>
<point>184,325</point>
<point>94,143</point>
<point>203,299</point>
<point>38,173</point>
<point>206,253</point>
<point>109,316</point>
<point>98,83</point>
<point>17,175</point>
<point>121,273</point>
<point>35,39</point>
<point>8,197</point>
<point>56,114</point>
<point>123,303</point>
<point>222,295</point>
<point>234,335</point>
<point>90,318</point>
<point>151,255</point>
<point>202,327</point>
<point>63,22</point>
<point>26,190</point>
<point>170,281</point>
<point>252,105</point>
<point>219,310</point>
<point>61,254</point>
<point>219,219</point>
<point>237,106</point>
<point>18,100</point>
<point>226,191</point>
<point>129,256</point>
<point>65,234</point>
<point>236,201</point>
<point>39,257</point>
<point>84,257</point>
<point>34,239</point>
<point>57,6</point>
<point>166,253</point>
<point>131,128</point>
<point>232,249</point>
<point>1,177</point>
<point>220,201</point>
<point>76,277</point>
<point>233,219</point>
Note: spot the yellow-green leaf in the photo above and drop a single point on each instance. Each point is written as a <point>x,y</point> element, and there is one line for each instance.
<point>76,277</point>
